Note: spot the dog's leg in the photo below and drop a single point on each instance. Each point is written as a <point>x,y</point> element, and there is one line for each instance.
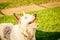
<point>34,38</point>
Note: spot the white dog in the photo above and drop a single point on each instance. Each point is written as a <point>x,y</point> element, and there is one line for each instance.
<point>24,30</point>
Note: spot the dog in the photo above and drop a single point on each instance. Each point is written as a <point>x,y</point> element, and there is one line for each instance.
<point>24,29</point>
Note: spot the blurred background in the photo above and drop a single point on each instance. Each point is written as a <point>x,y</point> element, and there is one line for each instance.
<point>48,15</point>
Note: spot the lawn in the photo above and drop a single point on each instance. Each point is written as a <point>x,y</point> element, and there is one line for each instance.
<point>48,20</point>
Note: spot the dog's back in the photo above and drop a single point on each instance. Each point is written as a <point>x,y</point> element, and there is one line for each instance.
<point>9,31</point>
<point>5,30</point>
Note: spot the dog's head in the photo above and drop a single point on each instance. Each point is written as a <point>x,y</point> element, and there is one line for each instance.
<point>26,18</point>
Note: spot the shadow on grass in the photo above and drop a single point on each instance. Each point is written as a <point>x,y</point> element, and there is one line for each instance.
<point>40,35</point>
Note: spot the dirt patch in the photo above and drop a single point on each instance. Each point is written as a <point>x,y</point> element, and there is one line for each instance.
<point>2,1</point>
<point>10,11</point>
<point>29,8</point>
<point>50,5</point>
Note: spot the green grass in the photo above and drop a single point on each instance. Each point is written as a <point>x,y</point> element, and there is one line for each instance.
<point>41,35</point>
<point>16,3</point>
<point>3,5</point>
<point>7,19</point>
<point>48,20</point>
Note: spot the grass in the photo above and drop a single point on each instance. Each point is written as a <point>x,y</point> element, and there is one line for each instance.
<point>48,20</point>
<point>3,5</point>
<point>7,19</point>
<point>16,3</point>
<point>41,35</point>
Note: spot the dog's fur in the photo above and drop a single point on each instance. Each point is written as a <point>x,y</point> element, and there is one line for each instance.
<point>24,30</point>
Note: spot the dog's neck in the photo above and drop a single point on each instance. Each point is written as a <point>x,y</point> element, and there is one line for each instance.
<point>23,24</point>
<point>23,27</point>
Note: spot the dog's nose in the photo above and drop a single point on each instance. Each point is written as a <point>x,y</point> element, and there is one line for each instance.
<point>34,15</point>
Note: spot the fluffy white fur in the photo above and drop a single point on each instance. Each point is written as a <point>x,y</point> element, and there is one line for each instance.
<point>23,30</point>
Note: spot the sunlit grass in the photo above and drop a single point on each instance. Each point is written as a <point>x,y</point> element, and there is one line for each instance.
<point>48,19</point>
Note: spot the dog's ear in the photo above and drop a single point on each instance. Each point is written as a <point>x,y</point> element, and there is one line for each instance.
<point>16,17</point>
